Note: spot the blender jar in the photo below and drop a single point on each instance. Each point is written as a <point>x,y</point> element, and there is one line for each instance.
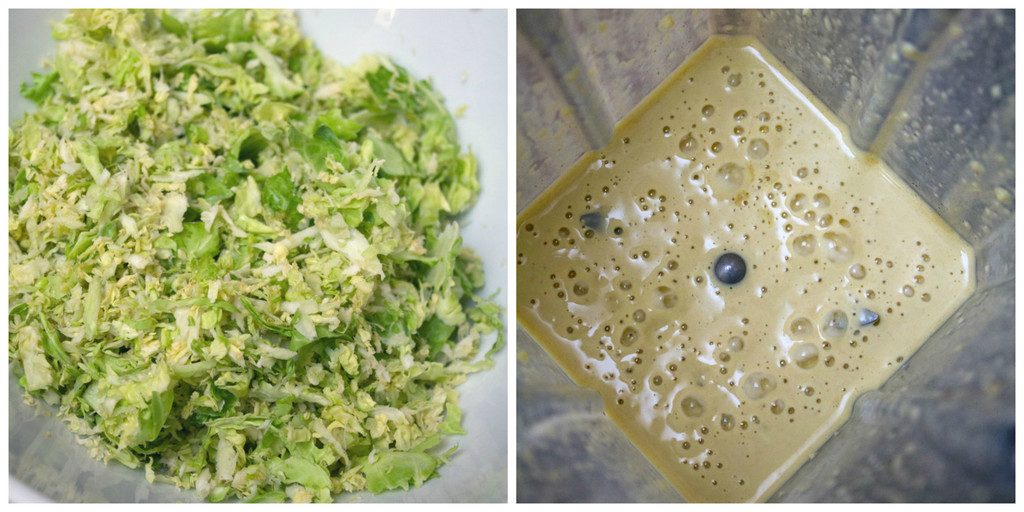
<point>929,92</point>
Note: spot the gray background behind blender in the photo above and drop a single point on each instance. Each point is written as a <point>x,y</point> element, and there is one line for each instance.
<point>932,93</point>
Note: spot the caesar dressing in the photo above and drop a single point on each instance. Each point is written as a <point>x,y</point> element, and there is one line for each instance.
<point>728,389</point>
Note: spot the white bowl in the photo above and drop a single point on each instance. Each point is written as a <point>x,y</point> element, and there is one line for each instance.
<point>465,52</point>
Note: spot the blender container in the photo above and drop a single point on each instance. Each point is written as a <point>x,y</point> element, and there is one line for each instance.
<point>932,94</point>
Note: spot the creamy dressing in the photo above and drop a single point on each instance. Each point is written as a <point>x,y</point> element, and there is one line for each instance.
<point>729,389</point>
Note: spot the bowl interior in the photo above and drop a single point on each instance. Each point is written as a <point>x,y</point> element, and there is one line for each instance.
<point>457,50</point>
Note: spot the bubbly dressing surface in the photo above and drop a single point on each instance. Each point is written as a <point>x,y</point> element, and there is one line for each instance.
<point>729,389</point>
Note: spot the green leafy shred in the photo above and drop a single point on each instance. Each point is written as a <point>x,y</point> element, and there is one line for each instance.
<point>40,88</point>
<point>237,261</point>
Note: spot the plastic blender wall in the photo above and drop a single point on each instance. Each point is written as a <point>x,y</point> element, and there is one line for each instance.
<point>931,92</point>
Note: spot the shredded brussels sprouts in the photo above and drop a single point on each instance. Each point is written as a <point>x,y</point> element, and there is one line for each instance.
<point>235,263</point>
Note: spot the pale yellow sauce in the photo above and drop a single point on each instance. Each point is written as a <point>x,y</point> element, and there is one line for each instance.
<point>729,389</point>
